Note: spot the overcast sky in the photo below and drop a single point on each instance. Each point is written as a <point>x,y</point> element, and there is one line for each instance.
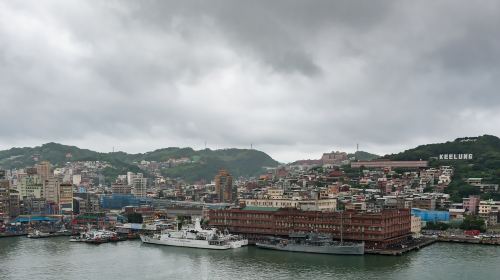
<point>293,78</point>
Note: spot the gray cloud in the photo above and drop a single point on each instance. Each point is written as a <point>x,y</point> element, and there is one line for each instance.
<point>293,78</point>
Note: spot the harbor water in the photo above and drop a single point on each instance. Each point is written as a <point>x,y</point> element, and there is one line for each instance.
<point>56,258</point>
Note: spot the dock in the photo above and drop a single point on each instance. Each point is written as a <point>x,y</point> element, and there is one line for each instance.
<point>469,240</point>
<point>11,234</point>
<point>404,249</point>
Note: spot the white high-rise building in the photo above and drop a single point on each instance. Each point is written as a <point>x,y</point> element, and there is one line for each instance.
<point>51,189</point>
<point>139,186</point>
<point>77,179</point>
<point>130,178</point>
<point>30,186</point>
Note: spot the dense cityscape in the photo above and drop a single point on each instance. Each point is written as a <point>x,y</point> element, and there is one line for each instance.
<point>391,206</point>
<point>231,139</point>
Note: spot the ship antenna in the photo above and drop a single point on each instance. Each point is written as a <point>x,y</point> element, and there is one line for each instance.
<point>341,227</point>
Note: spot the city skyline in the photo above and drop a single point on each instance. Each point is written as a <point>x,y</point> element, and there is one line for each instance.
<point>226,139</point>
<point>292,80</point>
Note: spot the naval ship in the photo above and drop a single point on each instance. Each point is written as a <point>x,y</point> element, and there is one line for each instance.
<point>313,243</point>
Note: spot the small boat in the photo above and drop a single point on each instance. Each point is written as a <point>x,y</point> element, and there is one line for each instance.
<point>38,234</point>
<point>100,236</point>
<point>79,238</point>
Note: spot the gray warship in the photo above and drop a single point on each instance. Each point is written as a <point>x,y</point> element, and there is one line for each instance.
<point>313,243</point>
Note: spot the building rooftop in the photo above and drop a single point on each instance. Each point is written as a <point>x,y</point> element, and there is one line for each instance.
<point>256,208</point>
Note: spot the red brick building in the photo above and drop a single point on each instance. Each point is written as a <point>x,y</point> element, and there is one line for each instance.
<point>377,229</point>
<point>390,164</point>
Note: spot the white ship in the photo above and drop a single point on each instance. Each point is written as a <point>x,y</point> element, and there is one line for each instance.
<point>195,237</point>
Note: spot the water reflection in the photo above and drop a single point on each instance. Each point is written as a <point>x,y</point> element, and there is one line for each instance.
<point>262,262</point>
<point>57,258</point>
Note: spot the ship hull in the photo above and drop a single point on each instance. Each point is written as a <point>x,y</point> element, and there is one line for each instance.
<point>47,235</point>
<point>202,244</point>
<point>332,250</point>
<point>239,243</point>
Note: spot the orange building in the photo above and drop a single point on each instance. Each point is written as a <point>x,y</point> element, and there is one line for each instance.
<point>224,186</point>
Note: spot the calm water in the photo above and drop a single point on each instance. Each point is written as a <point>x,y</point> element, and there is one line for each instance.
<point>57,258</point>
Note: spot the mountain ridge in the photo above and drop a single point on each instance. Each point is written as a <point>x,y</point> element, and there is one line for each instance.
<point>203,164</point>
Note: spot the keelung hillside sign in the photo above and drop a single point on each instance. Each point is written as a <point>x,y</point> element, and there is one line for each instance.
<point>455,156</point>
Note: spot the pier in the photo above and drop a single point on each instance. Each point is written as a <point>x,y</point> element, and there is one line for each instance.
<point>12,234</point>
<point>469,240</point>
<point>404,248</point>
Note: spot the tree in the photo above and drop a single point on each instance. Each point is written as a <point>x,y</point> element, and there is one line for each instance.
<point>340,206</point>
<point>489,195</point>
<point>436,226</point>
<point>473,222</point>
<point>458,189</point>
<point>428,189</point>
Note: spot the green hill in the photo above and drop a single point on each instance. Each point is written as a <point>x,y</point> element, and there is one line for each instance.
<point>204,164</point>
<point>361,155</point>
<point>56,154</point>
<point>485,163</point>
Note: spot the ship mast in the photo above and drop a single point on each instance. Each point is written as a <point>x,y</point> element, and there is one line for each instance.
<point>341,227</point>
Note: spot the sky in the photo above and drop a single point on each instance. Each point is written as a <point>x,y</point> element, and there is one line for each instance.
<point>291,78</point>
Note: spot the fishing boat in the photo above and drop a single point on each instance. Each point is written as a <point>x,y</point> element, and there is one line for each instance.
<point>43,234</point>
<point>96,237</point>
<point>38,234</point>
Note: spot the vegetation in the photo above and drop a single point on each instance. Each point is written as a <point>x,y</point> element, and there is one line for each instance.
<point>361,155</point>
<point>472,222</point>
<point>458,189</point>
<point>204,164</point>
<point>485,163</point>
<point>352,172</point>
<point>437,226</point>
<point>492,196</point>
<point>428,189</point>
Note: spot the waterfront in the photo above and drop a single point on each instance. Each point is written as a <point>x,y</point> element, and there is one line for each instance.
<point>56,258</point>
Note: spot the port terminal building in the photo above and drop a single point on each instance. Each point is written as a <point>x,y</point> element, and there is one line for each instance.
<point>378,229</point>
